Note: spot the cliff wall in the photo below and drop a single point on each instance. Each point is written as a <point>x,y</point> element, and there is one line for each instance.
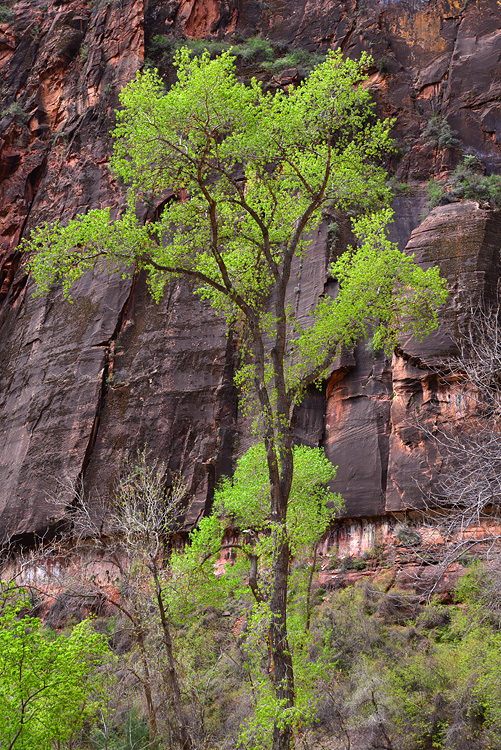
<point>82,384</point>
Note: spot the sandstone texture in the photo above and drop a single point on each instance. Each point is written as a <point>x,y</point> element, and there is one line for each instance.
<point>82,385</point>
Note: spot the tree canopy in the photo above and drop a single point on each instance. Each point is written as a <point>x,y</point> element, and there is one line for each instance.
<point>248,174</point>
<point>48,688</point>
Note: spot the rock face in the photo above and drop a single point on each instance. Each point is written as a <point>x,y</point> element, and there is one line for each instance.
<point>82,384</point>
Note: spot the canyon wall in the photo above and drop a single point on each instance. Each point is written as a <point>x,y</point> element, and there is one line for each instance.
<point>83,384</point>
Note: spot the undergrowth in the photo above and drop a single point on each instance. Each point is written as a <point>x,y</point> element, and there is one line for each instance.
<point>381,669</point>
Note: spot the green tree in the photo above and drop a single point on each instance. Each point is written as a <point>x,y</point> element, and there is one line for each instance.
<point>252,172</point>
<point>48,688</point>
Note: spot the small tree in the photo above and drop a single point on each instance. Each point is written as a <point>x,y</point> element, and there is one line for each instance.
<point>144,518</point>
<point>251,173</point>
<point>133,535</point>
<point>48,688</point>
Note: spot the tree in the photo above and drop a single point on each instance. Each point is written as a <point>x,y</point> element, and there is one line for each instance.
<point>48,688</point>
<point>251,173</point>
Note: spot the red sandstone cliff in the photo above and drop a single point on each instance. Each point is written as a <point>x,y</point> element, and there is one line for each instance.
<point>81,384</point>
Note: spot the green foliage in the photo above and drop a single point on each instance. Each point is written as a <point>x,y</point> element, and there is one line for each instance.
<point>449,692</point>
<point>402,188</point>
<point>254,48</point>
<point>49,689</point>
<point>367,276</point>
<point>438,132</point>
<point>479,589</point>
<point>435,685</point>
<point>353,563</point>
<point>245,500</point>
<point>131,734</point>
<point>84,52</point>
<point>467,182</point>
<point>333,231</point>
<point>382,64</point>
<point>257,51</point>
<point>378,284</point>
<point>246,497</point>
<point>7,14</point>
<point>16,110</point>
<point>291,131</point>
<point>301,59</point>
<point>437,195</point>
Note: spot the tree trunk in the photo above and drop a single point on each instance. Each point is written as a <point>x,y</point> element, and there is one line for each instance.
<point>280,469</point>
<point>282,657</point>
<point>152,717</point>
<point>183,737</point>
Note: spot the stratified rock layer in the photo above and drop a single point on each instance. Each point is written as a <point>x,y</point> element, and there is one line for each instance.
<point>81,385</point>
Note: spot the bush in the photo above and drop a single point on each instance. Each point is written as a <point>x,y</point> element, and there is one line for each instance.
<point>438,133</point>
<point>432,618</point>
<point>353,563</point>
<point>300,59</point>
<point>437,194</point>
<point>16,110</point>
<point>6,14</point>
<point>255,48</point>
<point>396,607</point>
<point>480,591</point>
<point>407,536</point>
<point>129,734</point>
<point>382,64</point>
<point>467,182</point>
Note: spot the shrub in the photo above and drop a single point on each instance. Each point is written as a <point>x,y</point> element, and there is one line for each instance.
<point>403,188</point>
<point>382,64</point>
<point>16,110</point>
<point>432,618</point>
<point>6,14</point>
<point>300,59</point>
<point>407,536</point>
<point>353,563</point>
<point>254,48</point>
<point>437,194</point>
<point>467,182</point>
<point>396,606</point>
<point>438,132</point>
<point>131,734</point>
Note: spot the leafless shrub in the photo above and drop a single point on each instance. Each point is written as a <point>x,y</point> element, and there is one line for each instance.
<point>462,514</point>
<point>119,558</point>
